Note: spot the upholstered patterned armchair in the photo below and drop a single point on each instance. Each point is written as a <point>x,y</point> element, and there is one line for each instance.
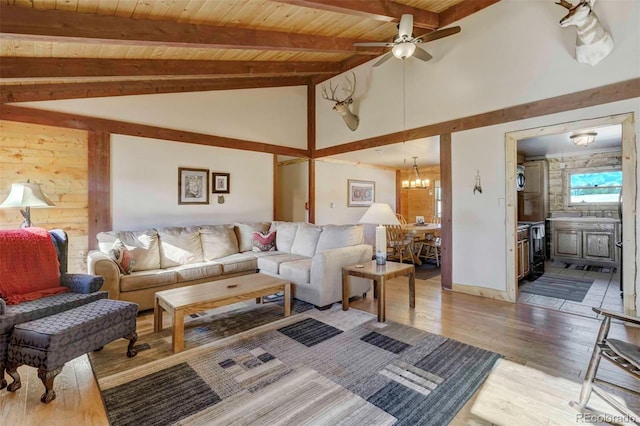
<point>83,289</point>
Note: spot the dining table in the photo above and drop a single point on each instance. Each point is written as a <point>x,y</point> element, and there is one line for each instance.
<point>417,232</point>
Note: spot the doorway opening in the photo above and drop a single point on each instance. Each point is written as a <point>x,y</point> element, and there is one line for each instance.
<point>577,238</point>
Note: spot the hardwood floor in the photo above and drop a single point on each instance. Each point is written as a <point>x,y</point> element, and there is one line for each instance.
<point>546,353</point>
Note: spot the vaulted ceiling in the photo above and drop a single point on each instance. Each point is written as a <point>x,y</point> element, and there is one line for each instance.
<point>84,48</point>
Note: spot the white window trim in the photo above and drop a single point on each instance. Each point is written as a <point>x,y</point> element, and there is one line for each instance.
<point>567,184</point>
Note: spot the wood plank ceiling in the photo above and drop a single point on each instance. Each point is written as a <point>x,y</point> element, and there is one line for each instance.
<point>81,48</point>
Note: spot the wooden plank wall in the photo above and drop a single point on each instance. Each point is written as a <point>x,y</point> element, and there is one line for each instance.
<point>420,202</point>
<point>56,158</point>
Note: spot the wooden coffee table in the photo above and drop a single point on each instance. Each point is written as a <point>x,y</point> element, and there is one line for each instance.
<point>379,274</point>
<point>200,297</point>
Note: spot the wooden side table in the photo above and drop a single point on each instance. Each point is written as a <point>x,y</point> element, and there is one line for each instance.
<point>379,274</point>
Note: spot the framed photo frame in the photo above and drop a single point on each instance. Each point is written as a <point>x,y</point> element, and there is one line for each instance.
<point>220,183</point>
<point>360,193</point>
<point>193,186</point>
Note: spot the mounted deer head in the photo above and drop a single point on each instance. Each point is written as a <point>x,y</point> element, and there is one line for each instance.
<point>593,43</point>
<point>342,106</point>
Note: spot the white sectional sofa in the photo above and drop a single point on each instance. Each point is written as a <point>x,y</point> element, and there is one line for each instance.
<point>310,257</point>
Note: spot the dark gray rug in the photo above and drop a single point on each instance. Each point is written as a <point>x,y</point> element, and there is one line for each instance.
<point>321,367</point>
<point>591,268</point>
<point>427,271</point>
<point>573,289</point>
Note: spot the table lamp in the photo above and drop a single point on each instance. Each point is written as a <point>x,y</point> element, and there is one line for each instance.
<point>26,195</point>
<point>380,214</point>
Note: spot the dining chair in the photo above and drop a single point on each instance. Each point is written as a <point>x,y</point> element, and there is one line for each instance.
<point>399,246</point>
<point>401,219</point>
<point>621,353</point>
<point>430,248</point>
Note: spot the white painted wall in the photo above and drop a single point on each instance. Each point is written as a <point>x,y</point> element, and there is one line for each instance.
<point>479,238</point>
<point>144,184</point>
<point>331,187</point>
<point>275,115</point>
<point>510,53</point>
<point>293,192</point>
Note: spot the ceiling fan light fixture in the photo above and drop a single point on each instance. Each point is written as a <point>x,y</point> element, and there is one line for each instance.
<point>583,138</point>
<point>403,50</point>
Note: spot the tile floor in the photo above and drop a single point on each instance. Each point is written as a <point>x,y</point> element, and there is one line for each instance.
<point>604,292</point>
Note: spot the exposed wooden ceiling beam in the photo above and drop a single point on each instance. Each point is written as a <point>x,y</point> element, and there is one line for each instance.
<point>72,121</point>
<point>48,92</point>
<point>34,67</point>
<point>26,23</point>
<point>381,10</point>
<point>462,10</point>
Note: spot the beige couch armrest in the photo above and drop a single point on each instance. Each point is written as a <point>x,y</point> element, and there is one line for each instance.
<point>326,271</point>
<point>99,263</point>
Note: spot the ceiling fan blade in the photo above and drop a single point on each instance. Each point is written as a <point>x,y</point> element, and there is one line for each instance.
<point>435,35</point>
<point>422,54</point>
<point>383,59</point>
<point>405,28</point>
<point>375,43</point>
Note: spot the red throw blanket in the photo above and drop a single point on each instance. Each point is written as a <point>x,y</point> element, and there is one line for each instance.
<point>29,267</point>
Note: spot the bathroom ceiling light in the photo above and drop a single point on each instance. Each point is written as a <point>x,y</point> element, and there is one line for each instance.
<point>583,138</point>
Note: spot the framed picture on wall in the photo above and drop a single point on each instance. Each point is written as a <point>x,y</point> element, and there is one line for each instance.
<point>193,186</point>
<point>360,193</point>
<point>220,183</point>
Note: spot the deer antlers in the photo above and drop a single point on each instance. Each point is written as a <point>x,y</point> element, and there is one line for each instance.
<point>565,4</point>
<point>351,87</point>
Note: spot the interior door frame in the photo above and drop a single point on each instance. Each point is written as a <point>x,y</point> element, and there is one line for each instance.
<point>629,197</point>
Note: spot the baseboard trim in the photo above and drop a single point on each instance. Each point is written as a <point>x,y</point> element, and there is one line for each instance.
<point>489,293</point>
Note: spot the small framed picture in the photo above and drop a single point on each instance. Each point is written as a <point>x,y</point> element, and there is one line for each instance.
<point>360,193</point>
<point>193,186</point>
<point>420,220</point>
<point>220,183</point>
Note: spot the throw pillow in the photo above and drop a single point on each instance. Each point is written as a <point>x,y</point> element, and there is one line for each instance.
<point>264,241</point>
<point>121,255</point>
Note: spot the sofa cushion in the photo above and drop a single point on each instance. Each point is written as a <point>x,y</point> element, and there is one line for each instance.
<point>180,246</point>
<point>285,234</point>
<point>238,262</point>
<point>264,253</point>
<point>336,236</point>
<point>143,246</point>
<point>218,241</point>
<point>29,267</point>
<point>244,233</point>
<point>28,311</point>
<point>197,271</point>
<point>264,241</point>
<point>147,279</point>
<point>272,263</point>
<point>121,255</point>
<point>297,271</point>
<point>306,240</point>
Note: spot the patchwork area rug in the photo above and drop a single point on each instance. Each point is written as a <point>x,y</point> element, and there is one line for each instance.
<point>320,367</point>
<point>603,269</point>
<point>573,289</point>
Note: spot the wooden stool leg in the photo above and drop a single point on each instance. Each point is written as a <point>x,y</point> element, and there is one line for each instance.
<point>47,377</point>
<point>133,337</point>
<point>12,370</point>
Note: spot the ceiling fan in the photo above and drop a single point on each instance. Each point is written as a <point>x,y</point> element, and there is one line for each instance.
<point>405,45</point>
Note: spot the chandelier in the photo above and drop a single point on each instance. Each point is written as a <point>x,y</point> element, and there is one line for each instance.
<point>416,182</point>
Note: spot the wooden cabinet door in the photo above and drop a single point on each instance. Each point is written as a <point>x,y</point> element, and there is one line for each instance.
<point>567,243</point>
<point>526,266</point>
<point>598,245</point>
<point>520,268</point>
<point>533,173</point>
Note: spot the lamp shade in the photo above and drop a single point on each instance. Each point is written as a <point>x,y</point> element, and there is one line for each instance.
<point>26,195</point>
<point>381,214</point>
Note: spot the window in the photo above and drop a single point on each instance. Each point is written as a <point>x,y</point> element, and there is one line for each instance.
<point>601,187</point>
<point>438,200</point>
